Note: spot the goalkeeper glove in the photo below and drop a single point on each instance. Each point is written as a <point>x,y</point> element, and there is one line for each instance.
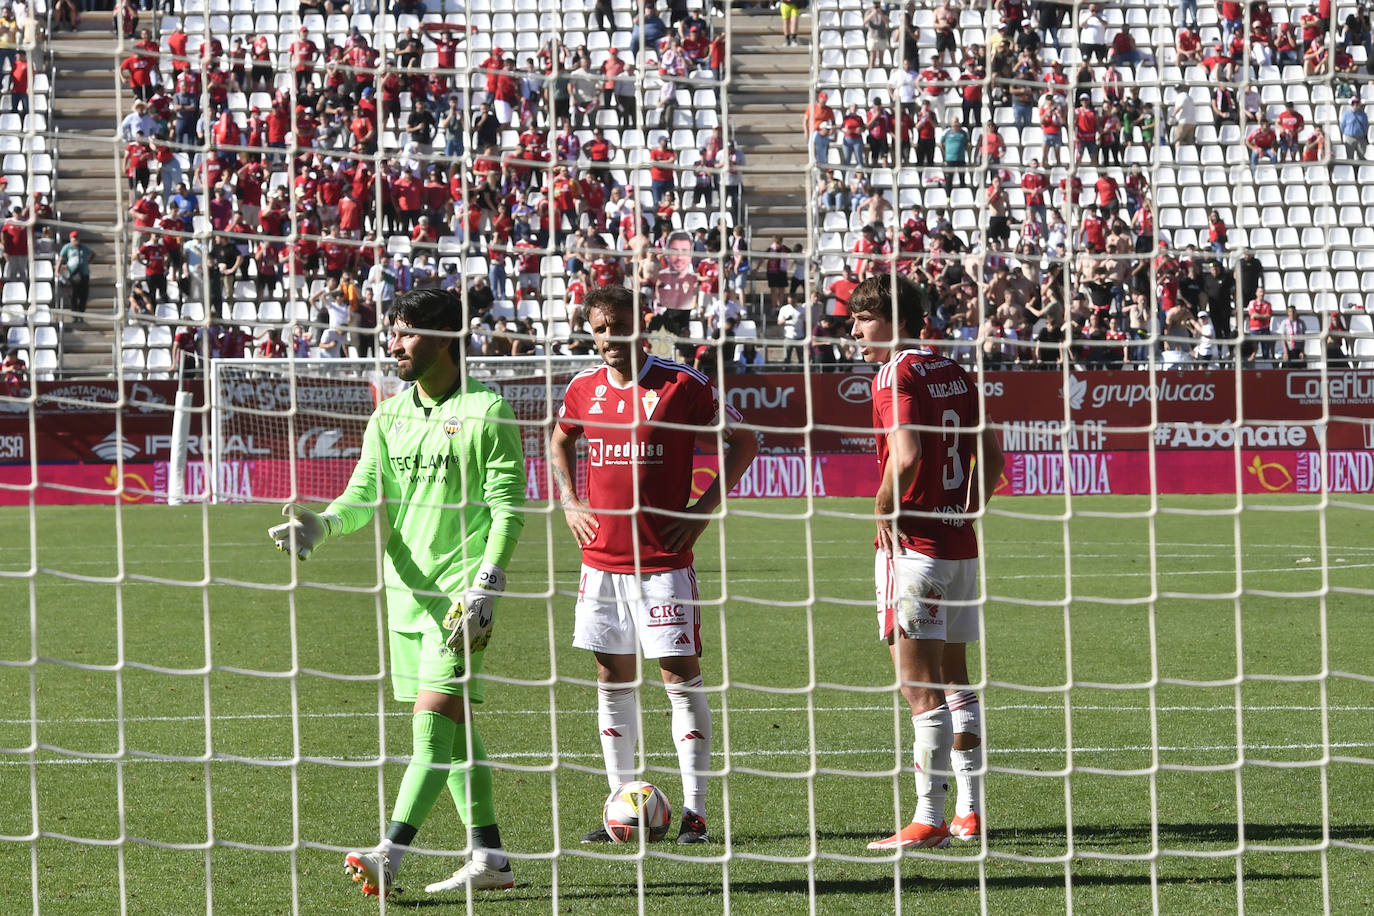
<point>310,529</point>
<point>470,618</point>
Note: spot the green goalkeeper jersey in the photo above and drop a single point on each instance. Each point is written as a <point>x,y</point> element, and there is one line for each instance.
<point>451,477</point>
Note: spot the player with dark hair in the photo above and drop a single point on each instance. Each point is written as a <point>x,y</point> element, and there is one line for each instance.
<point>926,414</point>
<point>642,417</point>
<point>445,462</point>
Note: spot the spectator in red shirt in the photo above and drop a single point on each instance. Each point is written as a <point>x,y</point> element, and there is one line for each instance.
<point>1085,130</point>
<point>1260,312</point>
<point>852,137</point>
<point>1290,124</point>
<point>660,176</point>
<point>1261,143</point>
<point>153,256</point>
<point>19,84</point>
<point>1034,183</point>
<point>302,52</point>
<point>1216,232</point>
<point>138,72</point>
<point>1189,47</point>
<point>15,237</point>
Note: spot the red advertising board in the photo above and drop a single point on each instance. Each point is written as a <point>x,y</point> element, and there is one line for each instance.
<point>1089,432</point>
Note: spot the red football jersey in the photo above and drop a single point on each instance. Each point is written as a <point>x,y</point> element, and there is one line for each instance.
<point>640,442</point>
<point>922,388</point>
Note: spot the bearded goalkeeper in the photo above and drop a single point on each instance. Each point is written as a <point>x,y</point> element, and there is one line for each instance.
<point>444,461</point>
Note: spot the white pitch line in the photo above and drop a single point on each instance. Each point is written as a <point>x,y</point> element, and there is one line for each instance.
<point>854,752</point>
<point>715,710</point>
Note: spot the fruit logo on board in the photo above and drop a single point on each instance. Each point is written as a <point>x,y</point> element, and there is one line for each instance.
<point>133,489</point>
<point>1271,475</point>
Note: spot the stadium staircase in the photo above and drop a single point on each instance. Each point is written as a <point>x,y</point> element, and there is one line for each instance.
<point>88,191</point>
<point>767,97</point>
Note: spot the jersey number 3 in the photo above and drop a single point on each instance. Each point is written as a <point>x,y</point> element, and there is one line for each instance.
<point>953,472</point>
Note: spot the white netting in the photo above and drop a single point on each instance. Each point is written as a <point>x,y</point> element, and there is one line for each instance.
<point>1175,686</point>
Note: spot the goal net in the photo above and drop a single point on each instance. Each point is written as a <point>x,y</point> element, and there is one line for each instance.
<point>1174,673</point>
<point>291,430</point>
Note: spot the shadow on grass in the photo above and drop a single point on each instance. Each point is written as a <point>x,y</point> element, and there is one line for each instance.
<point>874,887</point>
<point>1173,835</point>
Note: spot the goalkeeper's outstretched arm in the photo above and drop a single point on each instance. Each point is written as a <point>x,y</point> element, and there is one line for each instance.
<point>353,508</point>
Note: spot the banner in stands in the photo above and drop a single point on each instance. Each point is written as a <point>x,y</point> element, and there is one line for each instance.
<point>1126,432</point>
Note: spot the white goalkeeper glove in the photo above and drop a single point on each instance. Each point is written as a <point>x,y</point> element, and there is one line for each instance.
<point>311,529</point>
<point>470,618</point>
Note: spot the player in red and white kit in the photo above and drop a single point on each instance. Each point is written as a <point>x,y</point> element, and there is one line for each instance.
<point>926,414</point>
<point>641,417</point>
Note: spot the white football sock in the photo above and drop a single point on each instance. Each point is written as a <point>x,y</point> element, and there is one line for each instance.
<point>393,854</point>
<point>617,718</point>
<point>930,752</point>
<point>966,715</point>
<point>692,736</point>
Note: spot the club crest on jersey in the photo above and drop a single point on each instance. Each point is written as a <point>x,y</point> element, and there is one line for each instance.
<point>451,427</point>
<point>650,402</point>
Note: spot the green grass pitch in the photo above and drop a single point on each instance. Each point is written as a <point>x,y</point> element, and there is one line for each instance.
<point>1189,713</point>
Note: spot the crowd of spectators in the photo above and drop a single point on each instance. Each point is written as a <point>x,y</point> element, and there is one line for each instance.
<point>331,174</point>
<point>1023,202</point>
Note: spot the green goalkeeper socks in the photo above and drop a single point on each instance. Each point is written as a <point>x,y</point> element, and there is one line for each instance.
<point>471,787</point>
<point>424,779</point>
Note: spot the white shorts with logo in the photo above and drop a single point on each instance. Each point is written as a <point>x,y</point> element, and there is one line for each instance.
<point>910,576</point>
<point>620,613</point>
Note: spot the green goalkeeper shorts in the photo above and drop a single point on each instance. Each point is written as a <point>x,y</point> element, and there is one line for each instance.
<point>421,661</point>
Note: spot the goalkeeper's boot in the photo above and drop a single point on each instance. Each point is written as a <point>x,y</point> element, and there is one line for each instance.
<point>693,829</point>
<point>966,826</point>
<point>373,869</point>
<point>599,835</point>
<point>477,876</point>
<point>915,836</point>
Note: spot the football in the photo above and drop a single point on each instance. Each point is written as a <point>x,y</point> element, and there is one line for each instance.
<point>635,807</point>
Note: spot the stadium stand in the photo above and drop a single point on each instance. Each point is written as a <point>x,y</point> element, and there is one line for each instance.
<point>31,331</point>
<point>1238,146</point>
<point>570,142</point>
<point>1218,186</point>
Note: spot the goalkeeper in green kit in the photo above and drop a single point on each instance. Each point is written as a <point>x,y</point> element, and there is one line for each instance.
<point>444,461</point>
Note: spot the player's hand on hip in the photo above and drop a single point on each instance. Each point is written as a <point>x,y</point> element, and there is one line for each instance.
<point>582,522</point>
<point>469,621</point>
<point>681,533</point>
<point>308,529</point>
<point>887,542</point>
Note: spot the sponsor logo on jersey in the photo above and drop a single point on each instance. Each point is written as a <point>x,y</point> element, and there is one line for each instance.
<point>451,426</point>
<point>600,452</point>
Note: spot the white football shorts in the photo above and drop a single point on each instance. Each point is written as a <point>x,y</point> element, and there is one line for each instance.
<point>620,613</point>
<point>933,584</point>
